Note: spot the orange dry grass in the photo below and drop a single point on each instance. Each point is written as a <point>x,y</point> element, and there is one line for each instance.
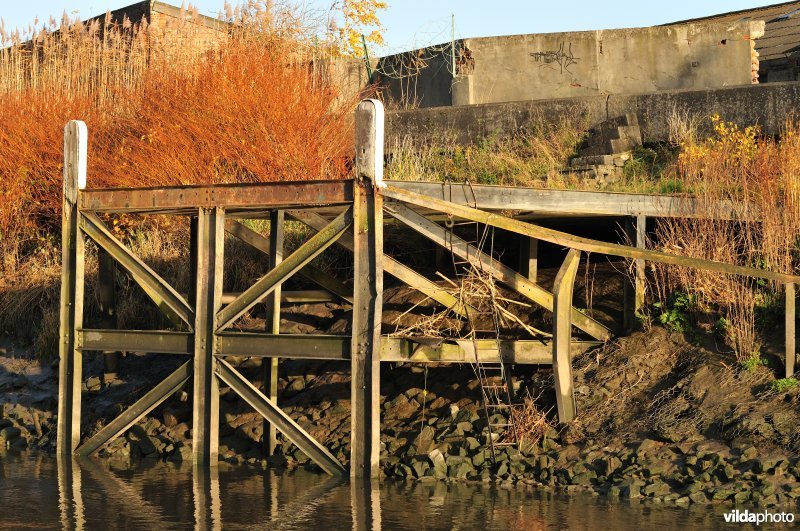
<point>246,105</point>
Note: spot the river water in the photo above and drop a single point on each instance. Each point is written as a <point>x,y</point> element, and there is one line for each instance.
<point>38,491</point>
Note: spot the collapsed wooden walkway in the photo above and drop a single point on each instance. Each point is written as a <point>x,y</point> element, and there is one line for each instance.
<point>350,214</point>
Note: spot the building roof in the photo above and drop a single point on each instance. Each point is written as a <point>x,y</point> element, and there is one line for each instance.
<point>781,32</point>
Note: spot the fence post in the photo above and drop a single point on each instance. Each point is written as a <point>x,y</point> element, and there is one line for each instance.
<point>367,291</point>
<point>562,336</point>
<point>68,431</point>
<point>273,324</point>
<point>791,316</point>
<point>208,297</point>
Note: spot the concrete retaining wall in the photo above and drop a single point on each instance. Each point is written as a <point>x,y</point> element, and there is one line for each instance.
<point>563,65</point>
<point>766,105</point>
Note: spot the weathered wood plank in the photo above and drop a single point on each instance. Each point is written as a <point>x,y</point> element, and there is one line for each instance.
<point>288,427</point>
<point>503,273</point>
<point>68,431</point>
<point>562,336</point>
<point>293,263</point>
<point>567,202</point>
<point>577,242</point>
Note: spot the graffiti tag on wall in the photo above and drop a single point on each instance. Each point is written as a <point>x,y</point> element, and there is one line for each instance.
<point>564,58</point>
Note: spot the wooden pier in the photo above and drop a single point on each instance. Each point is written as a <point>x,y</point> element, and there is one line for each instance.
<point>349,214</point>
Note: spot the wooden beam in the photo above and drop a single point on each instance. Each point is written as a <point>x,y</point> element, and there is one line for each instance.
<point>259,242</point>
<point>273,325</point>
<point>235,197</point>
<point>208,290</point>
<point>288,427</point>
<point>577,242</point>
<point>305,346</point>
<point>791,334</point>
<point>512,351</point>
<point>107,302</point>
<point>293,263</point>
<point>569,202</point>
<point>366,334</point>
<point>501,272</point>
<point>562,336</point>
<point>529,258</point>
<point>151,341</point>
<point>365,420</point>
<point>165,296</point>
<point>634,291</point>
<point>139,409</point>
<point>70,367</point>
<point>401,272</point>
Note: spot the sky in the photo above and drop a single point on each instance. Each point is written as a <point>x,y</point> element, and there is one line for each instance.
<point>414,23</point>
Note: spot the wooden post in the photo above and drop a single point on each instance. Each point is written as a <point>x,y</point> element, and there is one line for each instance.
<point>72,284</point>
<point>208,293</point>
<point>634,292</point>
<point>367,292</point>
<point>107,300</point>
<point>791,317</point>
<point>529,257</point>
<point>365,504</point>
<point>273,325</point>
<point>562,332</point>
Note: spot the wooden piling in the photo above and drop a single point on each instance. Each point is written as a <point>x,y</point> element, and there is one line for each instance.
<point>529,258</point>
<point>107,300</point>
<point>72,285</point>
<point>367,292</point>
<point>208,293</point>
<point>273,324</point>
<point>562,332</point>
<point>636,230</point>
<point>791,337</point>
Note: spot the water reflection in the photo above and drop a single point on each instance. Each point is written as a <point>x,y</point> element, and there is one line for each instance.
<point>155,495</point>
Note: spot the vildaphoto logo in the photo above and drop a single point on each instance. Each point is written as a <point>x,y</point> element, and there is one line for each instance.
<point>764,517</point>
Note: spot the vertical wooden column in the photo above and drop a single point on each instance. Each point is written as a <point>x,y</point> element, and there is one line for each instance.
<point>208,294</point>
<point>529,257</point>
<point>72,284</point>
<point>562,336</point>
<point>367,292</point>
<point>634,291</point>
<point>273,325</point>
<point>107,300</point>
<point>791,337</point>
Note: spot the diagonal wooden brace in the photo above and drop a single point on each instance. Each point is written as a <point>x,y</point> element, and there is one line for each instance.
<point>139,409</point>
<point>402,272</point>
<point>503,273</point>
<point>165,296</point>
<point>288,267</point>
<point>276,416</point>
<point>319,277</point>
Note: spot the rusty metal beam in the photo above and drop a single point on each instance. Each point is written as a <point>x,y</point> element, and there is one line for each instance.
<point>234,197</point>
